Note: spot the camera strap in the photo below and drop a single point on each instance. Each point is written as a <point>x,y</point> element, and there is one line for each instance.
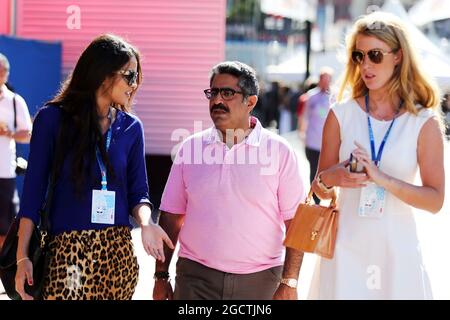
<point>15,112</point>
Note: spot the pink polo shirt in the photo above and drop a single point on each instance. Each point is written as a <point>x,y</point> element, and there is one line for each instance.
<point>235,200</point>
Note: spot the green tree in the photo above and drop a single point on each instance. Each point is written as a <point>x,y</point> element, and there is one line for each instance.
<point>243,11</point>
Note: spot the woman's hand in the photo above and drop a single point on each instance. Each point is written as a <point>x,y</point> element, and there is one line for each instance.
<point>24,270</point>
<point>24,273</point>
<point>153,238</point>
<point>374,173</point>
<point>340,176</point>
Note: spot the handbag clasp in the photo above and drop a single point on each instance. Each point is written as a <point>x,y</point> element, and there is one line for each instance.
<point>43,237</point>
<point>314,234</point>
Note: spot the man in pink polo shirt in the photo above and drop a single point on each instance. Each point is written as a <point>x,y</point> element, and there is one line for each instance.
<point>229,198</point>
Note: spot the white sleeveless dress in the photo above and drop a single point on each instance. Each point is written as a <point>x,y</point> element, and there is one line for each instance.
<point>376,258</point>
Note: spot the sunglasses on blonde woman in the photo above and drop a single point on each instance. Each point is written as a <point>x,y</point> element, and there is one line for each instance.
<point>375,55</point>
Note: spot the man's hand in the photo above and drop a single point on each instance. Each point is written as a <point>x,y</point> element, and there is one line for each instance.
<point>285,293</point>
<point>162,290</point>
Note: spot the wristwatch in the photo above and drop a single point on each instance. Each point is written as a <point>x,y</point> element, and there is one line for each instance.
<point>290,282</point>
<point>161,275</point>
<point>322,185</point>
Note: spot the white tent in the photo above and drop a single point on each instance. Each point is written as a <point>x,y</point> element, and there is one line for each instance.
<point>427,11</point>
<point>290,70</point>
<point>295,9</point>
<point>294,69</point>
<point>436,63</point>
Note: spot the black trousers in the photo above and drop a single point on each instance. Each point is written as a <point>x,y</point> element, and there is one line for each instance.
<point>9,203</point>
<point>313,158</point>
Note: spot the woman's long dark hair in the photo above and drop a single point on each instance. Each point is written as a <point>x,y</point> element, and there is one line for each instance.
<point>80,130</point>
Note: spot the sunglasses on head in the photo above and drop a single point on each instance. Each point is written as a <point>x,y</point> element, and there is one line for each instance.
<point>129,76</point>
<point>375,55</point>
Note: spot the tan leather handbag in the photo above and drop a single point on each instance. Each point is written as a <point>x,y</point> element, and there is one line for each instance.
<point>314,228</point>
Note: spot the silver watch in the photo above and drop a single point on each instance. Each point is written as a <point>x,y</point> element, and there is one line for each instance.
<point>290,282</point>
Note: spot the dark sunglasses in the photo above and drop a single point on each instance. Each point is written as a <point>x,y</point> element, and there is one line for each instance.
<point>375,55</point>
<point>129,76</point>
<point>226,93</point>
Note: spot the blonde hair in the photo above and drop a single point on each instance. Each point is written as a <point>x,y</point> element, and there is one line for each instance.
<point>408,81</point>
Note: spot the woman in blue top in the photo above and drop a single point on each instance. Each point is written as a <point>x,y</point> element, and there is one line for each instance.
<point>96,146</point>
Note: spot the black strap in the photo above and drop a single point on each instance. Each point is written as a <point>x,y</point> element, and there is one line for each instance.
<point>15,112</point>
<point>15,118</point>
<point>45,209</point>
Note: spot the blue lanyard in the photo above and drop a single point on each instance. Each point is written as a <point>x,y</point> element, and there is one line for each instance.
<point>377,157</point>
<point>99,157</point>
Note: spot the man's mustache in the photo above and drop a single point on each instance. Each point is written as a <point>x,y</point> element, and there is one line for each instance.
<point>219,106</point>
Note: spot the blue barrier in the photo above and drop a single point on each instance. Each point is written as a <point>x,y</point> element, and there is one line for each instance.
<point>36,68</point>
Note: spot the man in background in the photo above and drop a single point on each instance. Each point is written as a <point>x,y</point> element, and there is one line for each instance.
<point>15,126</point>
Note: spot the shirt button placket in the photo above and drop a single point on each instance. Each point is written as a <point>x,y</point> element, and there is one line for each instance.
<point>228,162</point>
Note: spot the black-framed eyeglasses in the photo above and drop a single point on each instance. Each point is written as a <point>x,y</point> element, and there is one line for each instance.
<point>129,76</point>
<point>375,55</point>
<point>225,93</point>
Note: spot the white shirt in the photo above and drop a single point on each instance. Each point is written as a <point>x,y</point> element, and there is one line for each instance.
<point>8,145</point>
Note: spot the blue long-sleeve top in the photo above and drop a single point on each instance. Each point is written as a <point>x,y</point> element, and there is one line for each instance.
<point>71,211</point>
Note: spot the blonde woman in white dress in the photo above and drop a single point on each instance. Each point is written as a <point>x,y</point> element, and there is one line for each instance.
<point>377,254</point>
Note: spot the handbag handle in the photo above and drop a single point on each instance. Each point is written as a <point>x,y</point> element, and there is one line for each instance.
<point>45,210</point>
<point>310,196</point>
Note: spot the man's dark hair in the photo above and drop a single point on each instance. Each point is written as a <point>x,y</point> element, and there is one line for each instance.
<point>247,80</point>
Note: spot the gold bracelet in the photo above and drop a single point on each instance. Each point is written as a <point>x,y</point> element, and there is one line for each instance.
<point>322,185</point>
<point>23,259</point>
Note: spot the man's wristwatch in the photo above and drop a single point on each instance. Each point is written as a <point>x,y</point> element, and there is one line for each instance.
<point>290,282</point>
<point>161,275</point>
<point>322,185</point>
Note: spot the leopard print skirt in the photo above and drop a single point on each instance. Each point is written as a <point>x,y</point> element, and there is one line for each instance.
<point>92,265</point>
